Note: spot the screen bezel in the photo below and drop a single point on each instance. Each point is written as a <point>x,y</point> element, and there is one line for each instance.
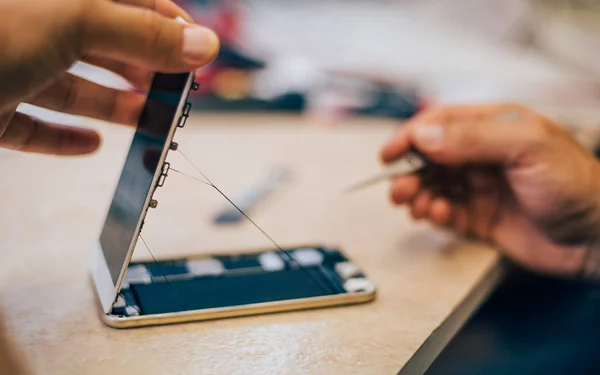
<point>106,290</point>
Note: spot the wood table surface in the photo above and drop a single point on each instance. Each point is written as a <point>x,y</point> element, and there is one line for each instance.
<point>53,209</point>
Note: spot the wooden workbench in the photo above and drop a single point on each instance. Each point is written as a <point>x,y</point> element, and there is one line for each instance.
<point>53,209</point>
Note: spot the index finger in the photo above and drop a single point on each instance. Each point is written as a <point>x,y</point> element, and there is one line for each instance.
<point>400,143</point>
<point>397,146</point>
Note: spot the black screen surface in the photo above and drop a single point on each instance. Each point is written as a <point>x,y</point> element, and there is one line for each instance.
<point>232,290</point>
<point>138,172</point>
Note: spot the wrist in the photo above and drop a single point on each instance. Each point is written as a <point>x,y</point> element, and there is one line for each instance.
<point>591,266</point>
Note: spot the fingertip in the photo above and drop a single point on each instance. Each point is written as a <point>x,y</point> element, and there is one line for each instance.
<point>100,140</point>
<point>76,141</point>
<point>90,141</point>
<point>200,45</point>
<point>412,213</point>
<point>216,45</point>
<point>396,146</point>
<point>439,211</point>
<point>460,219</point>
<point>388,151</point>
<point>420,205</point>
<point>404,189</point>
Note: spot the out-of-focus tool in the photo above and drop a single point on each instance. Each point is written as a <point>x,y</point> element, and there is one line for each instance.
<point>413,161</point>
<point>251,197</point>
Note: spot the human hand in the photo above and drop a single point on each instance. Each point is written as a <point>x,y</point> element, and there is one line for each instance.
<point>40,40</point>
<point>532,189</point>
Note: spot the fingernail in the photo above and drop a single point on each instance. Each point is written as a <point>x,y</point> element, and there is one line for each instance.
<point>429,135</point>
<point>198,43</point>
<point>87,142</point>
<point>186,16</point>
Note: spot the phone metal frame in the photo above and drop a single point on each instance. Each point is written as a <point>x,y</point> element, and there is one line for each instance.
<point>348,298</point>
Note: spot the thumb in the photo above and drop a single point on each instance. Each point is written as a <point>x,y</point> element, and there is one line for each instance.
<point>144,38</point>
<point>477,142</point>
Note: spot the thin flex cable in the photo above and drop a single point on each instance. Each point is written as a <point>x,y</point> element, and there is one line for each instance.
<point>190,176</point>
<point>282,253</point>
<point>179,299</point>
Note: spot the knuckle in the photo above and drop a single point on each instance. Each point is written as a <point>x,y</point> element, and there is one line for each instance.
<point>71,93</point>
<point>435,114</point>
<point>458,136</point>
<point>111,107</point>
<point>79,13</point>
<point>152,27</point>
<point>539,133</point>
<point>157,39</point>
<point>537,137</point>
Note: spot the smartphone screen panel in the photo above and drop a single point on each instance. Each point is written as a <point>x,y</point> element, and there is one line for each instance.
<point>140,174</point>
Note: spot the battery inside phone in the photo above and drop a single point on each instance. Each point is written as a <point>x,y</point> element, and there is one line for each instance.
<point>224,281</point>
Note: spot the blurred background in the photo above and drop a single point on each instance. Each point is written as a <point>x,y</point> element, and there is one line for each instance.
<point>369,65</point>
<point>354,69</point>
<point>372,57</point>
<point>357,68</point>
<point>391,58</point>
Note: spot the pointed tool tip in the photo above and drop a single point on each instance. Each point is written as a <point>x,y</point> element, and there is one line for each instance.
<point>352,189</point>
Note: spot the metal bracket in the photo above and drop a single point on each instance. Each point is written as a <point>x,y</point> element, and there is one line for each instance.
<point>163,174</point>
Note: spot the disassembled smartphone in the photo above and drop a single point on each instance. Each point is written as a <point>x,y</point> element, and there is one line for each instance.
<point>204,287</point>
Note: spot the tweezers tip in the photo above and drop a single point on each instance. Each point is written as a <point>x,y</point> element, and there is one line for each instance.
<point>352,189</point>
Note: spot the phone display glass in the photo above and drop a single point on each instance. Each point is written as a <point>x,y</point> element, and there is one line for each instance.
<point>140,172</point>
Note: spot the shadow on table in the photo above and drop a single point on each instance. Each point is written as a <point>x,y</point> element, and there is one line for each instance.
<point>529,325</point>
<point>12,359</point>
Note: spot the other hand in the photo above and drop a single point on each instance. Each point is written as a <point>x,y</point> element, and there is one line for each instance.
<point>531,188</point>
